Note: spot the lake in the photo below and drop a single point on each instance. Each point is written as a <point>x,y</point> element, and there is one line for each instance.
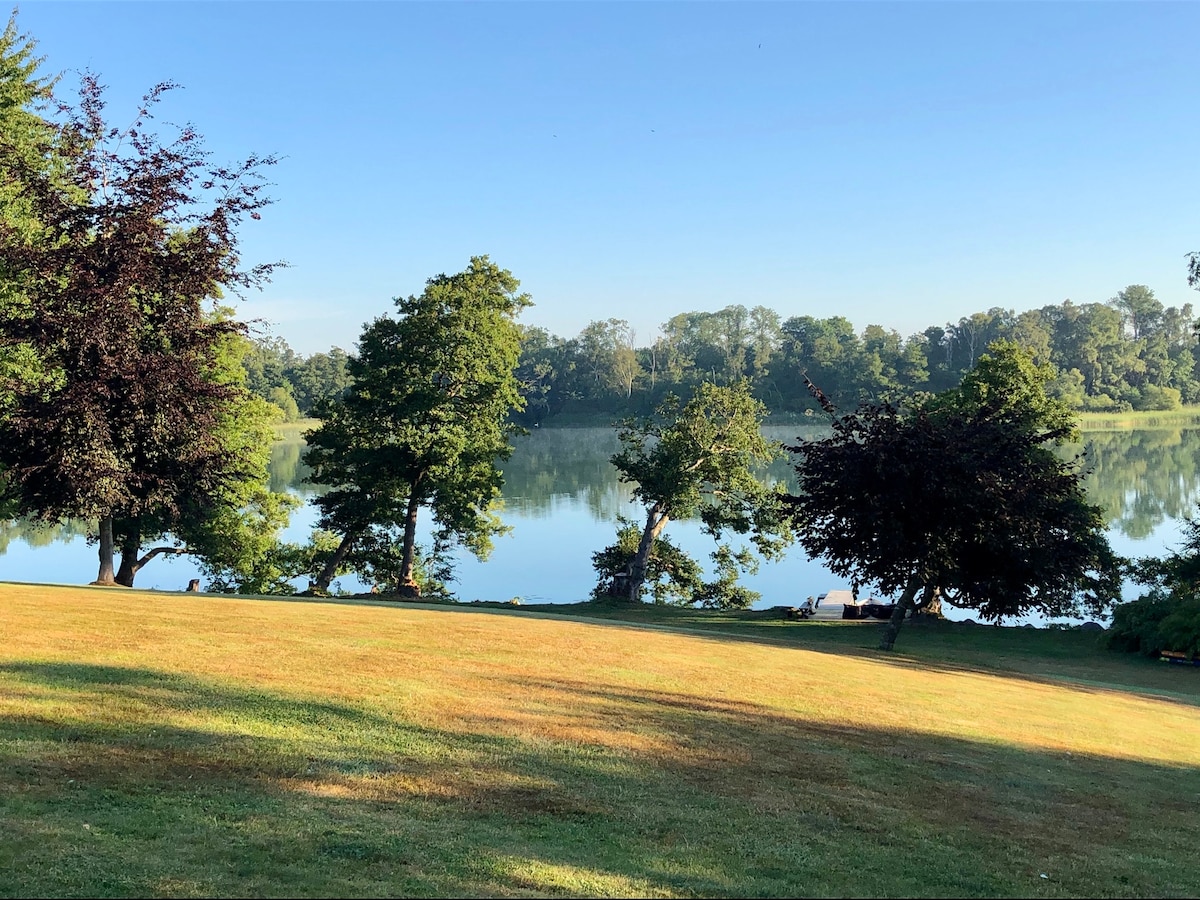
<point>562,498</point>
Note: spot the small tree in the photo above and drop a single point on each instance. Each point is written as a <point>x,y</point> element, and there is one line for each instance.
<point>424,421</point>
<point>959,496</point>
<point>698,459</point>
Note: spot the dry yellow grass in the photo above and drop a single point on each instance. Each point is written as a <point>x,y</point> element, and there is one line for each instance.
<point>595,730</point>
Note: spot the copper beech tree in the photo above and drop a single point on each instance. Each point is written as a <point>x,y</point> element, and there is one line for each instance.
<point>958,496</point>
<point>107,282</point>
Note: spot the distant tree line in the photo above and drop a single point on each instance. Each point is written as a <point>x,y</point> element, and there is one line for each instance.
<point>296,384</point>
<point>1130,352</point>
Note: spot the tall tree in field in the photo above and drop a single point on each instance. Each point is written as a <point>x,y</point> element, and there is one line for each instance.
<point>960,497</point>
<point>133,236</point>
<point>424,421</point>
<point>698,459</point>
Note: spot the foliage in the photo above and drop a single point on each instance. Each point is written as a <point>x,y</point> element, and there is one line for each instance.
<point>697,459</point>
<point>234,530</point>
<point>1167,616</point>
<point>425,419</point>
<point>296,384</point>
<point>1127,353</point>
<point>961,496</point>
<point>134,235</point>
<point>672,576</point>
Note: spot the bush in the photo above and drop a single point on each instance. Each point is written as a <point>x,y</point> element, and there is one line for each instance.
<point>1159,398</point>
<point>1104,403</point>
<point>1135,625</point>
<point>1156,621</point>
<point>1167,617</point>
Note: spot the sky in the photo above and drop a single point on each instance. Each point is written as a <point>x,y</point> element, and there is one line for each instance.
<point>902,164</point>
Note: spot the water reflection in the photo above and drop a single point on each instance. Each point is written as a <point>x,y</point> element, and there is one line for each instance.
<point>1142,478</point>
<point>562,497</point>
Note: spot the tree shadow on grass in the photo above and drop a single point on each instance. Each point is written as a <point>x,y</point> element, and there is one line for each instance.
<point>189,786</point>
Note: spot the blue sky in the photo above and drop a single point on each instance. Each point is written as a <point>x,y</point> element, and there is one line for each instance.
<point>902,164</point>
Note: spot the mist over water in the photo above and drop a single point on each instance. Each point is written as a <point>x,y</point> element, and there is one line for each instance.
<point>562,498</point>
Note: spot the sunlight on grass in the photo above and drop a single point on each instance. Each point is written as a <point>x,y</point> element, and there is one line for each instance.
<point>556,878</point>
<point>234,746</point>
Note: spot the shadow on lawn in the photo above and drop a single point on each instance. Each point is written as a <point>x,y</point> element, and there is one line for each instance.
<point>193,786</point>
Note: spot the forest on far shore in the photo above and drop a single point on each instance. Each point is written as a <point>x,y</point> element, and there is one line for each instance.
<point>1128,353</point>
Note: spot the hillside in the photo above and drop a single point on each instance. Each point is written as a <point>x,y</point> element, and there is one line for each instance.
<point>182,745</point>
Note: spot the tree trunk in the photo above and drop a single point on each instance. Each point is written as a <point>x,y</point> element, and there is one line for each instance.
<point>408,586</point>
<point>131,543</point>
<point>898,614</point>
<point>931,603</point>
<point>656,521</point>
<point>325,576</point>
<point>106,575</point>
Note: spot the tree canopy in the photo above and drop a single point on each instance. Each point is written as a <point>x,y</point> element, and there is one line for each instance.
<point>423,422</point>
<point>695,459</point>
<point>960,495</point>
<point>123,239</point>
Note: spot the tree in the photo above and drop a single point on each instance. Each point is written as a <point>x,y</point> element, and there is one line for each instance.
<point>698,459</point>
<point>959,496</point>
<point>1140,310</point>
<point>607,354</point>
<point>132,236</point>
<point>424,421</point>
<point>233,531</point>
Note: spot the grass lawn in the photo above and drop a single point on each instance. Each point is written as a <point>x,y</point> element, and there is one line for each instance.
<point>191,745</point>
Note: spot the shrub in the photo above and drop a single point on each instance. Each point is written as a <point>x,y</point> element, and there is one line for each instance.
<point>1135,625</point>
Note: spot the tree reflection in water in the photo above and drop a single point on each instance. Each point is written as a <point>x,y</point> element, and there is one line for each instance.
<point>562,497</point>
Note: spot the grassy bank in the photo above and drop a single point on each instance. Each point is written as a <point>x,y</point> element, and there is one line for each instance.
<point>181,745</point>
<point>294,431</point>
<point>1187,417</point>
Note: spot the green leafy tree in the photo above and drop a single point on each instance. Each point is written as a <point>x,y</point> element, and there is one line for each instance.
<point>672,576</point>
<point>697,460</point>
<point>961,496</point>
<point>134,235</point>
<point>25,141</point>
<point>1141,311</point>
<point>319,378</point>
<point>424,421</point>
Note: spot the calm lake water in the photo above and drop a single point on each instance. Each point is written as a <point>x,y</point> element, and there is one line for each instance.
<point>562,499</point>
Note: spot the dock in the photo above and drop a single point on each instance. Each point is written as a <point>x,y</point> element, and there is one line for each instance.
<point>831,605</point>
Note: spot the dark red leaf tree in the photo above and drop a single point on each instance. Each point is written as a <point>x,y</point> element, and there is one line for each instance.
<point>961,496</point>
<point>112,288</point>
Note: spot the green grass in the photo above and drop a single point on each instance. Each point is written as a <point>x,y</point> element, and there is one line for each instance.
<point>294,431</point>
<point>182,745</point>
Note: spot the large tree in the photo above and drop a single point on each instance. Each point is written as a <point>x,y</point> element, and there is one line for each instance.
<point>960,496</point>
<point>424,421</point>
<point>110,289</point>
<point>697,459</point>
<point>25,138</point>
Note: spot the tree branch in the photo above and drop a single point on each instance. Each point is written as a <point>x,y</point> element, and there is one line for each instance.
<point>156,551</point>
